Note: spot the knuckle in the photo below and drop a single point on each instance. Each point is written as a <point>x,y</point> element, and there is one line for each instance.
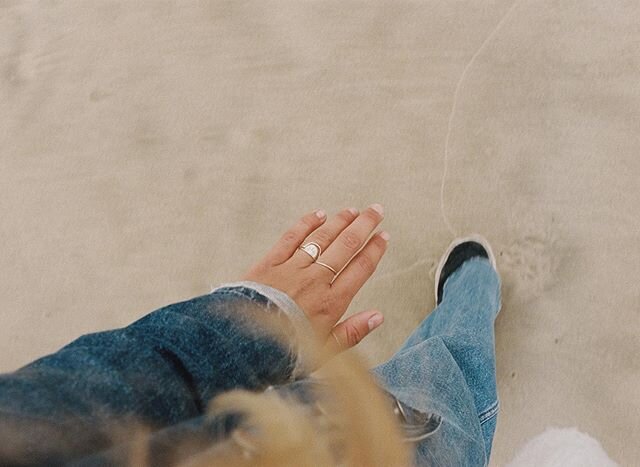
<point>309,221</point>
<point>350,240</point>
<point>353,335</point>
<point>327,305</point>
<point>290,236</point>
<point>365,263</point>
<point>305,285</point>
<point>323,237</point>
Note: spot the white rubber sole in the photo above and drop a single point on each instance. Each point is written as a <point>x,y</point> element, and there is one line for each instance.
<point>474,238</point>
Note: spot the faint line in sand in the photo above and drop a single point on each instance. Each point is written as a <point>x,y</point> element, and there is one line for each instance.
<point>454,105</point>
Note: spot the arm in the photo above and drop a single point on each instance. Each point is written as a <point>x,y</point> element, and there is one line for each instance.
<point>165,367</point>
<point>160,370</point>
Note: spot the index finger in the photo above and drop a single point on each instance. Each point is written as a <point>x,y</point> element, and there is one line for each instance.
<point>292,238</point>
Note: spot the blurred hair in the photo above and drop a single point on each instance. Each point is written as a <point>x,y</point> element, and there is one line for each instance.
<point>279,432</point>
<point>350,423</point>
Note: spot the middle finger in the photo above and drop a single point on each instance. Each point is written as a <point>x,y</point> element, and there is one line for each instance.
<point>352,238</point>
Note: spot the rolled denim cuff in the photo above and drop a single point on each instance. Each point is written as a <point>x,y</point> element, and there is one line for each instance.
<point>304,331</point>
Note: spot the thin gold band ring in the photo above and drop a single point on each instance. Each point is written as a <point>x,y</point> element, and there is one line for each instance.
<point>337,341</point>
<point>326,266</point>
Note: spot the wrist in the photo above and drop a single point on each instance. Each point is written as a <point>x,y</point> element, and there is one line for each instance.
<point>304,331</point>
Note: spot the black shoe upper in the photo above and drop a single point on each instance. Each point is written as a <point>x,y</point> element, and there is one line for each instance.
<point>459,255</point>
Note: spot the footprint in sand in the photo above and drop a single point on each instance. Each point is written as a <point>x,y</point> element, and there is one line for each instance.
<point>529,263</point>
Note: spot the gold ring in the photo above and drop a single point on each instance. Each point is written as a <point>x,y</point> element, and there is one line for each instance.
<point>327,266</point>
<point>337,341</point>
<point>312,249</point>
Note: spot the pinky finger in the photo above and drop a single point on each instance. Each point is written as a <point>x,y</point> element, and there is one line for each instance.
<point>353,330</point>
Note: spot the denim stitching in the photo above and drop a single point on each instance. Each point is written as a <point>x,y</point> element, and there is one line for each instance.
<point>489,413</point>
<point>437,428</point>
<point>230,291</point>
<point>247,292</point>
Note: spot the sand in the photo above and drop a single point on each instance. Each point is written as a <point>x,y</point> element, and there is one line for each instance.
<point>151,150</point>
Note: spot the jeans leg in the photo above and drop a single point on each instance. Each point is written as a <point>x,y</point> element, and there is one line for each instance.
<point>464,321</point>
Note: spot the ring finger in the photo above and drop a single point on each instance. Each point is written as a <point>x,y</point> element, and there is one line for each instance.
<point>325,235</point>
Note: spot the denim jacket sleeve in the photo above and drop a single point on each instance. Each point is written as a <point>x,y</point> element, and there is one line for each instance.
<point>299,320</point>
<point>160,370</point>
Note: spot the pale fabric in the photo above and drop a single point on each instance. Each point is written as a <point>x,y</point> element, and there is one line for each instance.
<point>562,447</point>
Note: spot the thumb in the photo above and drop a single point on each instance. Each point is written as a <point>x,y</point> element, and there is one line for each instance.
<point>352,330</point>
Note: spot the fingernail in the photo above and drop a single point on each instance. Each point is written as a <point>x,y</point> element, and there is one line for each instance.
<point>385,235</point>
<point>375,321</point>
<point>353,211</point>
<point>320,213</point>
<point>378,208</point>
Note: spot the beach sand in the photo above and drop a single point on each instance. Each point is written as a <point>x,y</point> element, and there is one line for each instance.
<point>151,150</point>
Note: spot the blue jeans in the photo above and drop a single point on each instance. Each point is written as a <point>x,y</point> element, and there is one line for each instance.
<point>448,365</point>
<point>78,404</point>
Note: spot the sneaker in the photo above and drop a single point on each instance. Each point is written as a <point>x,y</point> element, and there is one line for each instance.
<point>461,250</point>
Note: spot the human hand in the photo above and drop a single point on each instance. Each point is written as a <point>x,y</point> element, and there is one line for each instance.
<point>323,298</point>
